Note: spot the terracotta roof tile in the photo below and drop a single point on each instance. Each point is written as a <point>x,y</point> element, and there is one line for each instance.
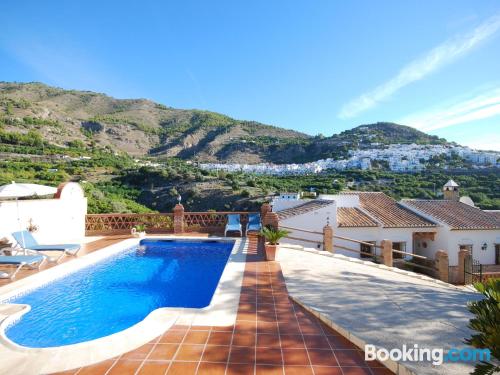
<point>494,213</point>
<point>353,217</point>
<point>303,208</point>
<point>457,215</point>
<point>389,212</point>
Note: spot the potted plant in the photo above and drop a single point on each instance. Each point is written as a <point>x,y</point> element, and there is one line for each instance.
<point>139,231</point>
<point>272,236</point>
<point>32,227</point>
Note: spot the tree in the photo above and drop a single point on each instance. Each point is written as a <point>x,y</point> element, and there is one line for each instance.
<point>9,109</point>
<point>487,325</point>
<point>76,144</point>
<point>173,192</point>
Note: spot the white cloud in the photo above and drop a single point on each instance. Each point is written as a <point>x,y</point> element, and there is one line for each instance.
<point>436,58</point>
<point>459,111</point>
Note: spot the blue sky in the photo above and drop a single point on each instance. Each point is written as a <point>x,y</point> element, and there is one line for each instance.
<point>317,67</point>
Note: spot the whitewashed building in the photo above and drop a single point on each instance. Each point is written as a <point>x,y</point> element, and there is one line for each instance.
<point>364,216</point>
<point>414,226</point>
<point>460,226</point>
<point>60,219</point>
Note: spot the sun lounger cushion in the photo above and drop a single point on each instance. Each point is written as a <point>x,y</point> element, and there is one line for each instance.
<point>21,259</point>
<point>56,247</point>
<point>233,223</point>
<point>253,223</point>
<point>27,241</point>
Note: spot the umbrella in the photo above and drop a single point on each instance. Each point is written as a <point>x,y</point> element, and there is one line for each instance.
<point>16,191</point>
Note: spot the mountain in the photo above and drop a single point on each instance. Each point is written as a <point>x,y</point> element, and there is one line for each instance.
<point>50,135</point>
<point>142,127</point>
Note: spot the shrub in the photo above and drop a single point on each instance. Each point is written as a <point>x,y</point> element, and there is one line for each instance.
<point>273,236</point>
<point>487,325</point>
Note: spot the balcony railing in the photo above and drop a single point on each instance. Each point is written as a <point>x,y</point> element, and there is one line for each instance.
<point>107,224</point>
<point>382,253</point>
<point>156,223</point>
<point>210,222</point>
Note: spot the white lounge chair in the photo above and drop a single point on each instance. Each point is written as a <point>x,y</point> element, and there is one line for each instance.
<point>27,242</point>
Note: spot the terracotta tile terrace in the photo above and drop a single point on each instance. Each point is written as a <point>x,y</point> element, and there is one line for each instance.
<point>272,335</point>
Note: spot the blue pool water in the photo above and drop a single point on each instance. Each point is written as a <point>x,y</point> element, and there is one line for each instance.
<point>120,291</point>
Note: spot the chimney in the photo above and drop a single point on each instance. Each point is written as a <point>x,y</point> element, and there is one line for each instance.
<point>450,191</point>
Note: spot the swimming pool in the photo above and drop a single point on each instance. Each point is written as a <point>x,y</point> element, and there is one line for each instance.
<point>120,291</point>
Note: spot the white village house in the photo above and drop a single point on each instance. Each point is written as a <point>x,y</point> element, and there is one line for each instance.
<point>420,227</point>
<point>460,226</point>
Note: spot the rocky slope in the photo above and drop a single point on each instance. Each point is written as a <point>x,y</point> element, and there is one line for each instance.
<point>142,127</point>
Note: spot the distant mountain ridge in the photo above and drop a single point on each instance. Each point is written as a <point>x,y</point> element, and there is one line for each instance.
<point>142,127</point>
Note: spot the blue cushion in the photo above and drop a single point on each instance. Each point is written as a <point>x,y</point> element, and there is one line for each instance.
<point>254,219</point>
<point>56,247</point>
<point>20,259</point>
<point>254,227</point>
<point>233,219</point>
<point>25,239</point>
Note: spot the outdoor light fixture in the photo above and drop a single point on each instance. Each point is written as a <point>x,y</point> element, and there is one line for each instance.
<point>484,247</point>
<point>179,198</point>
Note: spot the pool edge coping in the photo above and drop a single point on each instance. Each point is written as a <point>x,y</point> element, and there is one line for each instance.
<point>221,311</point>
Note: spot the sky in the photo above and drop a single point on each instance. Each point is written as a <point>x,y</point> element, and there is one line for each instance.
<point>313,66</point>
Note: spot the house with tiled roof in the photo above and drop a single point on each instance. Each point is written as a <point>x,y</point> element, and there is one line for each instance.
<point>303,208</point>
<point>375,216</point>
<point>494,213</point>
<point>460,226</point>
<point>414,226</point>
<point>365,216</point>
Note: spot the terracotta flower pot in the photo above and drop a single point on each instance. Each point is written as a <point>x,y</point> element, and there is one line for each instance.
<point>271,251</point>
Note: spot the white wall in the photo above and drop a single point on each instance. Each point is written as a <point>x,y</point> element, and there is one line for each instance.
<point>377,234</point>
<point>313,221</point>
<point>279,204</point>
<point>367,234</point>
<point>450,241</point>
<point>343,200</point>
<point>430,250</point>
<point>59,220</point>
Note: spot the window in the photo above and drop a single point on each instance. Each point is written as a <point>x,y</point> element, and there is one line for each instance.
<point>401,246</point>
<point>366,249</point>
<point>497,253</point>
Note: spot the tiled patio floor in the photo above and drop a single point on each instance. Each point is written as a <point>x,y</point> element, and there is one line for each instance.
<point>272,335</point>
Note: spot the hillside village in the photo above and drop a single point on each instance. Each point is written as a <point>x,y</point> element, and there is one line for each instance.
<point>398,158</point>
